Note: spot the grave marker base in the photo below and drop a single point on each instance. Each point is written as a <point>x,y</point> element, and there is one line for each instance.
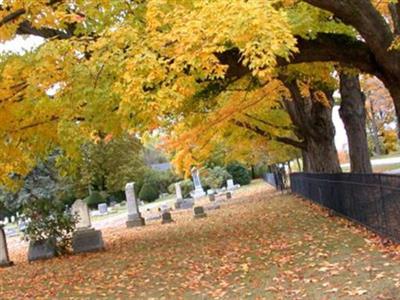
<point>87,241</point>
<point>41,250</point>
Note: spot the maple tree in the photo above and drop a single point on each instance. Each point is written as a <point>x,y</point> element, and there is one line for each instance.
<point>142,65</point>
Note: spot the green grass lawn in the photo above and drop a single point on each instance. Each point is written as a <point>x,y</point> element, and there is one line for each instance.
<point>261,245</point>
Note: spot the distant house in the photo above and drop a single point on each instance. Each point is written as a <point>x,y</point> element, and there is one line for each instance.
<point>161,167</point>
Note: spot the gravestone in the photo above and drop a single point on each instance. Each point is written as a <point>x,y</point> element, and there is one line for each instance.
<point>85,238</point>
<point>4,258</point>
<point>228,195</point>
<point>198,189</point>
<point>6,221</point>
<point>212,206</point>
<point>12,219</point>
<point>134,216</point>
<point>166,218</point>
<point>199,212</point>
<point>81,210</point>
<point>40,250</point>
<point>102,208</point>
<point>229,185</point>
<point>164,207</point>
<point>186,204</point>
<point>179,198</point>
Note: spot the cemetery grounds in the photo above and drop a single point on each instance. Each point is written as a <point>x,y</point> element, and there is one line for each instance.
<point>259,245</point>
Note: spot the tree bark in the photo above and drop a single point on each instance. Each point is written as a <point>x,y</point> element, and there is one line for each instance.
<point>313,122</point>
<point>352,112</point>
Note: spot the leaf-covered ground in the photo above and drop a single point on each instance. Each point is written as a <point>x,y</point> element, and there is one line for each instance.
<point>261,245</point>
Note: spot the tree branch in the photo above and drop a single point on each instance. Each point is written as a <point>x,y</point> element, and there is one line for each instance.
<point>263,133</point>
<point>325,48</point>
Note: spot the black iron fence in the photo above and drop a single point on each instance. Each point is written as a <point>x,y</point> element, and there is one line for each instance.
<point>370,199</point>
<point>277,179</point>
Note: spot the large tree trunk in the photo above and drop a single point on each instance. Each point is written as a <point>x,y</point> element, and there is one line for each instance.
<point>313,122</point>
<point>352,112</point>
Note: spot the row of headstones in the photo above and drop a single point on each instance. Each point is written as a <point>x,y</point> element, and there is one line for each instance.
<point>86,238</point>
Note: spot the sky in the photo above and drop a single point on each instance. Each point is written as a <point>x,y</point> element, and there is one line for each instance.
<point>22,44</point>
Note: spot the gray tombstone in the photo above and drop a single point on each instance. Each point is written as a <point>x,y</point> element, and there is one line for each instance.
<point>179,198</point>
<point>134,216</point>
<point>199,212</point>
<point>186,204</point>
<point>102,208</point>
<point>213,206</point>
<point>178,191</point>
<point>85,238</point>
<point>4,258</point>
<point>164,207</point>
<point>166,217</point>
<point>40,250</point>
<point>228,195</point>
<point>81,210</point>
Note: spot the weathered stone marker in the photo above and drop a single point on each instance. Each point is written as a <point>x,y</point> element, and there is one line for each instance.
<point>229,185</point>
<point>199,212</point>
<point>39,250</point>
<point>211,197</point>
<point>166,218</point>
<point>4,258</point>
<point>179,198</point>
<point>102,208</point>
<point>198,189</point>
<point>229,195</point>
<point>85,238</point>
<point>134,216</point>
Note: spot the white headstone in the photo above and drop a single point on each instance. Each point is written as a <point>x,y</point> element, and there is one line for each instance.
<point>4,258</point>
<point>12,219</point>
<point>230,185</point>
<point>134,217</point>
<point>6,221</point>
<point>102,208</point>
<point>178,191</point>
<point>198,189</point>
<point>133,207</point>
<point>81,209</point>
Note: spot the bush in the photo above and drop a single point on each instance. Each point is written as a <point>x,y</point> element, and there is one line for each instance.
<point>94,199</point>
<point>186,187</point>
<point>215,178</point>
<point>149,192</point>
<point>161,179</point>
<point>49,220</point>
<point>260,170</point>
<point>239,173</point>
<point>117,196</point>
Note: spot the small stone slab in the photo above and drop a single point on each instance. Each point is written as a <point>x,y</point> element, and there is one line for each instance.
<point>87,241</point>
<point>154,217</point>
<point>228,195</point>
<point>211,197</point>
<point>166,218</point>
<point>186,204</point>
<point>199,212</point>
<point>135,223</point>
<point>40,250</point>
<point>212,207</point>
